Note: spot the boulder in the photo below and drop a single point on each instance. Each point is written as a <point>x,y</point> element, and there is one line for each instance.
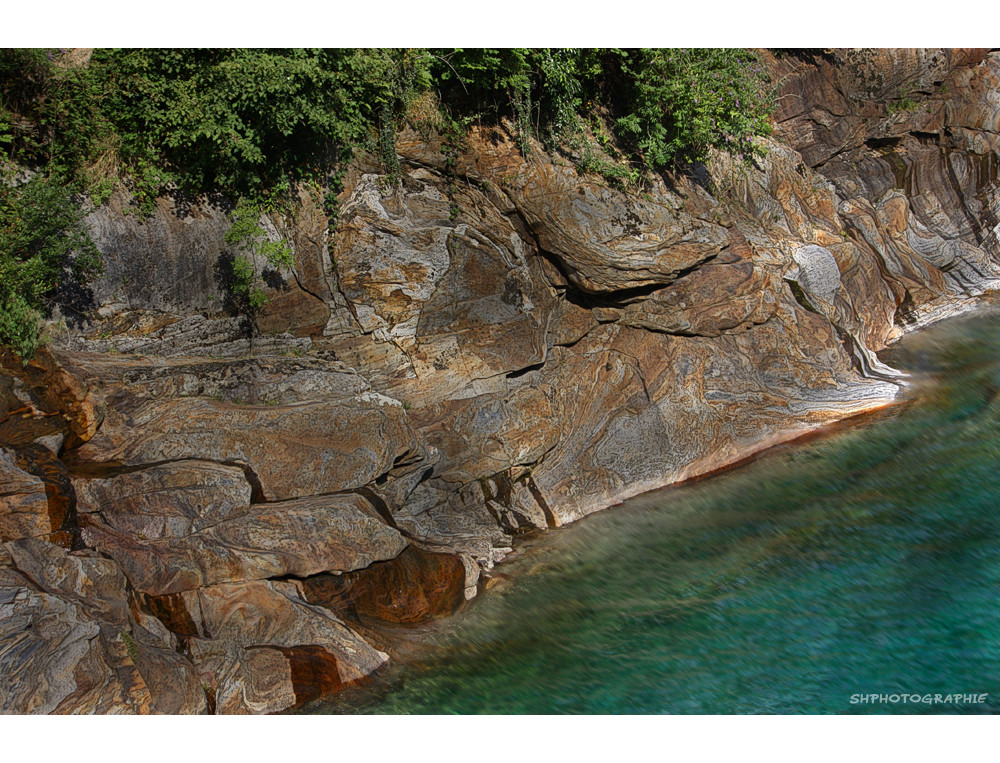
<point>262,648</point>
<point>70,642</point>
<point>299,537</point>
<point>170,500</point>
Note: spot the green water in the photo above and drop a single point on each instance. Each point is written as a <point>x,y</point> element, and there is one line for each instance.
<point>866,562</point>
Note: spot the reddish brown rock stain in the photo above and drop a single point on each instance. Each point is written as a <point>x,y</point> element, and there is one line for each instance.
<point>170,609</point>
<point>314,671</point>
<point>40,462</point>
<point>414,586</point>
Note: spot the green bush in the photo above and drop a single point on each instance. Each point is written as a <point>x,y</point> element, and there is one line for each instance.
<point>56,120</point>
<point>246,233</point>
<point>251,123</point>
<point>24,75</point>
<point>540,88</point>
<point>677,104</point>
<point>43,243</point>
<point>666,107</point>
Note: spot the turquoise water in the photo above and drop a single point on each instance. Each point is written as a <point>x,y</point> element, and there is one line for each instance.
<point>866,562</point>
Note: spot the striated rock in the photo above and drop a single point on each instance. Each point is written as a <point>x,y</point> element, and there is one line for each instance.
<point>607,242</point>
<point>174,685</point>
<point>243,681</point>
<point>22,513</point>
<point>639,410</point>
<point>826,102</point>
<point>391,253</point>
<point>69,642</point>
<point>170,500</point>
<point>258,381</point>
<point>292,450</point>
<point>938,147</point>
<point>46,390</point>
<point>722,295</point>
<point>262,648</point>
<point>451,306</point>
<point>54,661</point>
<point>481,436</point>
<point>151,333</point>
<point>299,537</point>
<point>24,507</point>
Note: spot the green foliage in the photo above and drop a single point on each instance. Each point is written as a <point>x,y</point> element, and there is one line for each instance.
<point>910,97</point>
<point>904,103</point>
<point>52,118</point>
<point>667,108</point>
<point>453,131</point>
<point>130,646</point>
<point>532,86</point>
<point>43,242</point>
<point>247,234</point>
<point>680,103</point>
<point>253,122</point>
<point>620,174</point>
<point>23,77</point>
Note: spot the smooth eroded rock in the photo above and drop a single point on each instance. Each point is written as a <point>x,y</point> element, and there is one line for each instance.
<point>293,450</point>
<point>169,500</point>
<point>299,537</point>
<point>262,648</point>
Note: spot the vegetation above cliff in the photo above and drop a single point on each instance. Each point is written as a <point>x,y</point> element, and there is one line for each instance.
<point>253,124</point>
<point>44,249</point>
<point>665,107</point>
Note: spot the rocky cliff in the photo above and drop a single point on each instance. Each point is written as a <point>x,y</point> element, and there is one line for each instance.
<point>197,517</point>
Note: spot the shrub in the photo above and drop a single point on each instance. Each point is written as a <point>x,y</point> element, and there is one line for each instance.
<point>43,243</point>
<point>52,118</point>
<point>246,233</point>
<point>534,86</point>
<point>677,104</point>
<point>252,122</point>
<point>667,107</point>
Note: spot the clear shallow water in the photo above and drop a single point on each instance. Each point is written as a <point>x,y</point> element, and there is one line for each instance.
<point>865,562</point>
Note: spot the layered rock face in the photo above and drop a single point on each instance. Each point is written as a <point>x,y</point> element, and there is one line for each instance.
<point>197,518</point>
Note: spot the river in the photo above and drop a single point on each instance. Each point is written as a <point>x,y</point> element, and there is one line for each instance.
<point>864,562</point>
